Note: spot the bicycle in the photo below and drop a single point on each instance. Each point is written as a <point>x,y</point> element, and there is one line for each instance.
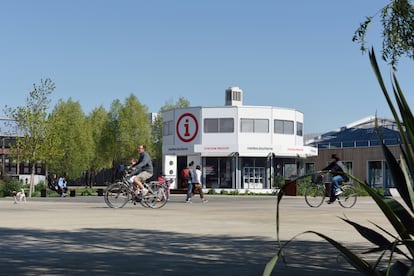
<point>117,195</point>
<point>316,192</point>
<point>166,183</point>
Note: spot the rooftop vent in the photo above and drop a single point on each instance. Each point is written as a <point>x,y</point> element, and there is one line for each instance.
<point>234,96</point>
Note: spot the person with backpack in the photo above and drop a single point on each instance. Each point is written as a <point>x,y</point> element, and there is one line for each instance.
<point>336,167</point>
<point>187,177</point>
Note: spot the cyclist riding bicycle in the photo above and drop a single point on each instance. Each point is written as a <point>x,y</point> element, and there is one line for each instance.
<point>141,171</point>
<point>336,168</point>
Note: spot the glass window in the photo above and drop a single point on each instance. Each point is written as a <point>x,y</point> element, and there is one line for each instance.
<point>388,179</point>
<point>283,127</point>
<point>216,125</point>
<point>168,128</point>
<point>290,171</point>
<point>226,125</point>
<point>299,129</point>
<point>349,168</point>
<point>278,126</point>
<point>309,168</point>
<point>288,127</point>
<point>261,125</point>
<point>171,128</point>
<point>246,125</point>
<point>375,174</point>
<point>379,175</point>
<point>254,125</point>
<point>218,172</point>
<point>211,125</point>
<point>254,173</point>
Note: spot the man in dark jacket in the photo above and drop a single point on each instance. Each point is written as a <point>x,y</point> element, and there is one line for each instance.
<point>142,170</point>
<point>336,169</point>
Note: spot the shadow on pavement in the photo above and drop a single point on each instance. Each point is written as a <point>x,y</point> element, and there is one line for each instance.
<point>138,252</point>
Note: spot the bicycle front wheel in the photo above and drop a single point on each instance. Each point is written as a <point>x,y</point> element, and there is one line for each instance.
<point>314,195</point>
<point>348,197</point>
<point>157,196</point>
<point>117,195</point>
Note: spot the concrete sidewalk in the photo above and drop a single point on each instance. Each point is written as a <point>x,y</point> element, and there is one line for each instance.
<point>229,235</point>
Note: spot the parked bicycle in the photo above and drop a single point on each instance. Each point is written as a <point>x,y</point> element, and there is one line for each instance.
<point>166,183</point>
<point>320,188</point>
<point>117,195</point>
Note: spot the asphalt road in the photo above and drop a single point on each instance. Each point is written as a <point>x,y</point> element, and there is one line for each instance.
<point>229,235</point>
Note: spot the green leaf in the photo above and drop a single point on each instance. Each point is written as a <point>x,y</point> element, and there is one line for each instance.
<point>370,235</point>
<point>270,265</point>
<point>357,262</point>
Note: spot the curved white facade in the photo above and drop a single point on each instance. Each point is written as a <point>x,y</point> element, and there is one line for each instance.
<point>238,146</point>
<point>188,137</point>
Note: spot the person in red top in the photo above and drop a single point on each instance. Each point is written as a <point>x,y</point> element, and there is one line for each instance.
<point>160,178</point>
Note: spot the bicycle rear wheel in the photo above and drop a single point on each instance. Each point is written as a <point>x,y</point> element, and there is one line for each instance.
<point>348,197</point>
<point>117,195</point>
<point>314,195</point>
<point>157,196</point>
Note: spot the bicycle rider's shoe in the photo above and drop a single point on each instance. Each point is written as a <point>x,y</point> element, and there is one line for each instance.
<point>330,201</point>
<point>338,192</point>
<point>144,192</point>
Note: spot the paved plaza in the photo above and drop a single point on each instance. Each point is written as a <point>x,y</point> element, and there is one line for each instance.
<point>229,235</point>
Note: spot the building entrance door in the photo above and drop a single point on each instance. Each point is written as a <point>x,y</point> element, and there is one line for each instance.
<point>219,173</point>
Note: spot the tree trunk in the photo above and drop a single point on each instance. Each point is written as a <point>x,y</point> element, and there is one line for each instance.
<point>31,190</point>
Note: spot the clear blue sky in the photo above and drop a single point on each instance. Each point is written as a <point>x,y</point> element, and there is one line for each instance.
<point>294,54</point>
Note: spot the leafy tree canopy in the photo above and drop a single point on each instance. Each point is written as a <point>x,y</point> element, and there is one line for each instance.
<point>397,19</point>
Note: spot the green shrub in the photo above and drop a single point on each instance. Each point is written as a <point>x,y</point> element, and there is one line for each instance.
<point>7,188</point>
<point>87,192</point>
<point>212,192</point>
<point>40,186</point>
<point>224,192</point>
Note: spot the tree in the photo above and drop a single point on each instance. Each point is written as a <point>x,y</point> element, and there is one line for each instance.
<point>134,127</point>
<point>31,126</point>
<point>110,133</point>
<point>75,137</point>
<point>128,126</point>
<point>397,19</point>
<point>98,122</point>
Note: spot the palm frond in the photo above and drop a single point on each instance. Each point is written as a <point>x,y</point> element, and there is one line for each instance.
<point>371,235</point>
<point>360,264</point>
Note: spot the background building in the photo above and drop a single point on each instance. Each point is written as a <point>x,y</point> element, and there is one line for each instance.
<point>359,147</point>
<point>11,165</point>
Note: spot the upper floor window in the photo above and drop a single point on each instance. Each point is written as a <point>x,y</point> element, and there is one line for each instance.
<point>299,129</point>
<point>219,125</point>
<point>284,127</point>
<point>168,128</point>
<point>254,125</point>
